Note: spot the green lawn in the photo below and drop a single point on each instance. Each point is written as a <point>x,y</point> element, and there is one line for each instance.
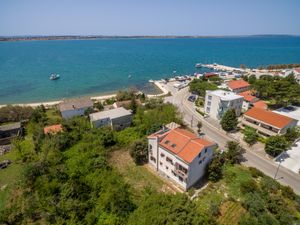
<point>139,177</point>
<point>9,176</point>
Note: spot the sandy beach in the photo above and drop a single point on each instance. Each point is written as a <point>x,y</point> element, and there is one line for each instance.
<point>49,104</point>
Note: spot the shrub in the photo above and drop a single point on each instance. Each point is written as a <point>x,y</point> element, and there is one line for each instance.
<point>139,151</point>
<point>229,120</point>
<point>255,172</point>
<point>276,145</point>
<point>250,135</point>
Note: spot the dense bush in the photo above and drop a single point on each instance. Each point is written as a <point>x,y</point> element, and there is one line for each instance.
<point>139,151</point>
<point>276,145</point>
<point>229,120</point>
<point>11,113</point>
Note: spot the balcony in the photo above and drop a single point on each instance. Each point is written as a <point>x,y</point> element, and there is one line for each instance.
<point>259,128</point>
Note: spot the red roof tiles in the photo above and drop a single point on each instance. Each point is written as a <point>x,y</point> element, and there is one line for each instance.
<point>268,117</point>
<point>248,96</point>
<point>184,144</point>
<point>260,104</point>
<point>236,84</point>
<point>53,129</point>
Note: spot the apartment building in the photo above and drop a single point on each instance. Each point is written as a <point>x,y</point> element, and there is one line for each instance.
<point>267,122</point>
<point>238,86</point>
<point>180,155</point>
<point>219,101</point>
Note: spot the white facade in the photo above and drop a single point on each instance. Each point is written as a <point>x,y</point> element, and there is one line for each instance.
<point>183,173</point>
<point>117,119</point>
<point>219,101</point>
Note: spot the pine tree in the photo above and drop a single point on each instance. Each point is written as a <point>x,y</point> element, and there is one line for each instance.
<point>229,120</point>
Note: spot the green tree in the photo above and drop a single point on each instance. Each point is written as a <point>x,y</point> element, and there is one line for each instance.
<point>292,134</point>
<point>252,79</point>
<point>234,152</point>
<point>139,151</point>
<point>229,120</point>
<point>200,86</point>
<point>276,145</point>
<point>215,168</point>
<point>250,135</point>
<point>199,126</point>
<point>99,105</point>
<point>133,105</point>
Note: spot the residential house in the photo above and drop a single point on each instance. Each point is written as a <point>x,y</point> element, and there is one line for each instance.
<point>74,107</point>
<point>117,119</point>
<point>267,122</point>
<point>53,129</point>
<point>9,131</point>
<point>219,101</point>
<point>179,155</point>
<point>249,99</point>
<point>296,72</point>
<point>238,86</point>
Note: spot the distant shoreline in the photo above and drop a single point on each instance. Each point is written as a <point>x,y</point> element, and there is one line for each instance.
<point>97,37</point>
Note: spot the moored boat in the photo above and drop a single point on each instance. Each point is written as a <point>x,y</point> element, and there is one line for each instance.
<point>54,76</point>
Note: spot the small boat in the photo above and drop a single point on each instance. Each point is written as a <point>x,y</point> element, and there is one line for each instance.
<point>54,76</point>
<point>198,65</point>
<point>129,76</point>
<point>151,81</point>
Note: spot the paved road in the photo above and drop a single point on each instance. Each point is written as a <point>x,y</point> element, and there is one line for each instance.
<point>192,117</point>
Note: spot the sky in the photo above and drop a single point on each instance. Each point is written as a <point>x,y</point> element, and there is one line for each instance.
<point>149,17</point>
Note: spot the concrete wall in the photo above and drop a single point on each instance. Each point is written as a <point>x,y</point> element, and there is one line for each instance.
<point>153,151</point>
<point>121,122</point>
<point>101,123</point>
<point>197,170</point>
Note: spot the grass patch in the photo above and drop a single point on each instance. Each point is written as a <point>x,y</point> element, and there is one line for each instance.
<point>139,177</point>
<point>9,176</point>
<point>53,116</point>
<point>230,213</point>
<point>234,176</point>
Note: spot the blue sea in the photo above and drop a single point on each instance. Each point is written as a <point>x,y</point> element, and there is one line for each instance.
<point>93,67</point>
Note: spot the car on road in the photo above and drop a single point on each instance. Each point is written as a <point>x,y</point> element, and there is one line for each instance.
<point>192,98</point>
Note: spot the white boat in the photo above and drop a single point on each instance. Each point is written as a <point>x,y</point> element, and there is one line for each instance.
<point>54,76</point>
<point>151,81</point>
<point>198,65</point>
<point>129,76</point>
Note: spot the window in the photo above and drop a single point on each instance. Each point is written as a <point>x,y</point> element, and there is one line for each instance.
<point>209,97</point>
<point>209,103</point>
<point>180,178</point>
<point>200,161</point>
<point>205,150</point>
<point>167,167</point>
<point>167,142</point>
<point>208,109</point>
<point>162,155</point>
<point>150,147</point>
<point>199,155</point>
<point>160,163</point>
<point>169,160</point>
<point>153,159</point>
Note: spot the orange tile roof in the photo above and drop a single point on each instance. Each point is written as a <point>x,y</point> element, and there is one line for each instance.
<point>247,96</point>
<point>260,104</point>
<point>53,129</point>
<point>268,117</point>
<point>184,144</point>
<point>297,70</point>
<point>235,84</point>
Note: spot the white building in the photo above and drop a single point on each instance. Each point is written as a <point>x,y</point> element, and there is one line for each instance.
<point>74,107</point>
<point>180,155</point>
<point>219,101</point>
<point>117,119</point>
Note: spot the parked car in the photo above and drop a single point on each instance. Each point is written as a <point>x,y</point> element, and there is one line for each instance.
<point>192,98</point>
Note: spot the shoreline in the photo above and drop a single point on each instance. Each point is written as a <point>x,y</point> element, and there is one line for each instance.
<point>49,104</point>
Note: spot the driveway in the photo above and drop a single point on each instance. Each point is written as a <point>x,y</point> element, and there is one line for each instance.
<point>291,158</point>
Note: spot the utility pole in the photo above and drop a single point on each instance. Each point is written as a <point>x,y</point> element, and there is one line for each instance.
<point>280,160</point>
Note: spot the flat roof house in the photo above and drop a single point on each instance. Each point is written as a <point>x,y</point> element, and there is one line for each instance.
<point>238,86</point>
<point>219,101</point>
<point>74,107</point>
<point>180,155</point>
<point>267,122</point>
<point>117,119</point>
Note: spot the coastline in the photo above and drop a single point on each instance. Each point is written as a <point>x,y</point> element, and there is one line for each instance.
<point>49,104</point>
